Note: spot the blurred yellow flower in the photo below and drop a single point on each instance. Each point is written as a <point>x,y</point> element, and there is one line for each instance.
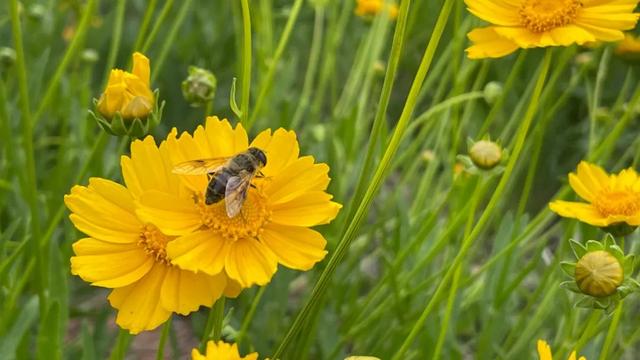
<point>273,226</point>
<point>366,8</point>
<point>128,255</point>
<point>544,352</point>
<point>630,45</point>
<point>611,199</point>
<point>541,23</point>
<point>221,351</point>
<point>128,93</point>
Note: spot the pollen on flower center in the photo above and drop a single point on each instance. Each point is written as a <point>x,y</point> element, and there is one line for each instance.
<point>154,243</point>
<point>617,202</point>
<point>247,224</point>
<point>543,15</point>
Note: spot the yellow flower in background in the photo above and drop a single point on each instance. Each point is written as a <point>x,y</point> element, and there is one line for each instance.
<point>273,226</point>
<point>221,351</point>
<point>129,255</point>
<point>128,93</point>
<point>629,46</point>
<point>544,352</point>
<point>366,8</point>
<point>611,199</point>
<point>541,23</point>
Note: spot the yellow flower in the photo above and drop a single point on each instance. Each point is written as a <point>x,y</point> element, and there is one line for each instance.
<point>128,255</point>
<point>612,199</point>
<point>221,351</point>
<point>128,93</point>
<point>366,8</point>
<point>541,23</point>
<point>273,225</point>
<point>544,352</point>
<point>629,46</point>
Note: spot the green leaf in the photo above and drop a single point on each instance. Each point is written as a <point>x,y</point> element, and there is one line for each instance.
<point>49,344</point>
<point>88,347</point>
<point>232,100</point>
<point>26,318</point>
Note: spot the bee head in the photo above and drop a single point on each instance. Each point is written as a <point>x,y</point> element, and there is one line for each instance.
<point>259,154</point>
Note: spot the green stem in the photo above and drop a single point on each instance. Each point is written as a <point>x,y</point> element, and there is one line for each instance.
<point>29,185</point>
<point>70,54</point>
<point>158,25</point>
<point>246,63</point>
<point>218,318</point>
<point>589,330</point>
<point>611,333</point>
<point>380,174</point>
<point>602,70</point>
<point>163,339</point>
<point>145,24</point>
<point>169,40</point>
<point>120,348</point>
<point>252,310</point>
<point>282,44</point>
<point>491,206</point>
<point>115,40</point>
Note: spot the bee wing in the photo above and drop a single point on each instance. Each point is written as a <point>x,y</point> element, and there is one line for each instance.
<point>199,166</point>
<point>236,192</point>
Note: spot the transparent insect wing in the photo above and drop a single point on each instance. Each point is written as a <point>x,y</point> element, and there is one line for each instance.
<point>200,166</point>
<point>236,192</point>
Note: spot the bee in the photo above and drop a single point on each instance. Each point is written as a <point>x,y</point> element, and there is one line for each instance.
<point>229,177</point>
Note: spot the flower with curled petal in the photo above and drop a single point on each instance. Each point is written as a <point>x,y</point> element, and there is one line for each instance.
<point>273,226</point>
<point>221,351</point>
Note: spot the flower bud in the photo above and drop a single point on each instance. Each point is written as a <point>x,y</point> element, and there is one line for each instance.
<point>89,56</point>
<point>598,273</point>
<point>485,154</point>
<point>199,87</point>
<point>492,92</point>
<point>36,12</point>
<point>7,57</point>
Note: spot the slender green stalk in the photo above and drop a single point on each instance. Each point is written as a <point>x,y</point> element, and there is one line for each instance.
<point>247,319</point>
<point>29,185</point>
<point>169,40</point>
<point>116,35</point>
<point>151,7</point>
<point>160,23</point>
<point>163,339</point>
<point>72,51</point>
<point>218,318</point>
<point>491,207</point>
<point>376,181</point>
<point>120,347</point>
<point>590,330</point>
<point>273,64</point>
<point>602,71</point>
<point>246,64</point>
<point>611,333</point>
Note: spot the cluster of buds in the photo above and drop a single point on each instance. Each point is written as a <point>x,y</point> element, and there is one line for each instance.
<point>128,106</point>
<point>601,274</point>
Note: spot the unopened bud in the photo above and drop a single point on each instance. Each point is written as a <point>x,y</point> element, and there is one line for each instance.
<point>485,154</point>
<point>7,57</point>
<point>36,12</point>
<point>89,56</point>
<point>199,87</point>
<point>599,273</point>
<point>492,92</point>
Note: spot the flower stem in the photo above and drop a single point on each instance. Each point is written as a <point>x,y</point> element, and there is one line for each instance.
<point>160,23</point>
<point>218,318</point>
<point>246,63</point>
<point>151,6</point>
<point>491,206</point>
<point>115,40</point>
<point>589,330</point>
<point>169,40</point>
<point>252,310</point>
<point>602,70</point>
<point>284,40</point>
<point>121,345</point>
<point>378,177</point>
<point>163,339</point>
<point>611,333</point>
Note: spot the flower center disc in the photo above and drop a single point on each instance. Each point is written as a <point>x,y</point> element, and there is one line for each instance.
<point>154,243</point>
<point>617,202</point>
<point>247,224</point>
<point>543,15</point>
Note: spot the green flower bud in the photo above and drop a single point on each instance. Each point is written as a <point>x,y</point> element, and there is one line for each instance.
<point>492,92</point>
<point>36,12</point>
<point>485,154</point>
<point>598,273</point>
<point>7,57</point>
<point>89,56</point>
<point>199,87</point>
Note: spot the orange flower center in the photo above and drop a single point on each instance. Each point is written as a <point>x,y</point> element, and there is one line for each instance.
<point>543,15</point>
<point>617,202</point>
<point>247,224</point>
<point>154,243</point>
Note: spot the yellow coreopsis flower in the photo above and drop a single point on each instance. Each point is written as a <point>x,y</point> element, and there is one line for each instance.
<point>128,93</point>
<point>273,226</point>
<point>544,352</point>
<point>611,199</point>
<point>127,254</point>
<point>221,351</point>
<point>367,8</point>
<point>541,23</point>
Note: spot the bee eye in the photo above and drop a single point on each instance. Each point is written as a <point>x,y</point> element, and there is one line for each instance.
<point>263,158</point>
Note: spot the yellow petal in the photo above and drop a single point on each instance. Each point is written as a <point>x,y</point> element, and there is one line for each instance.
<point>222,139</point>
<point>544,351</point>
<point>310,209</point>
<point>148,168</point>
<point>581,211</point>
<point>141,68</point>
<point>184,291</point>
<point>109,265</point>
<point>296,247</point>
<point>300,176</point>
<point>497,12</point>
<point>233,288</point>
<point>592,176</point>
<point>488,44</point>
<point>580,188</point>
<point>199,251</point>
<point>138,304</point>
<point>281,150</point>
<point>171,214</point>
<point>250,262</point>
